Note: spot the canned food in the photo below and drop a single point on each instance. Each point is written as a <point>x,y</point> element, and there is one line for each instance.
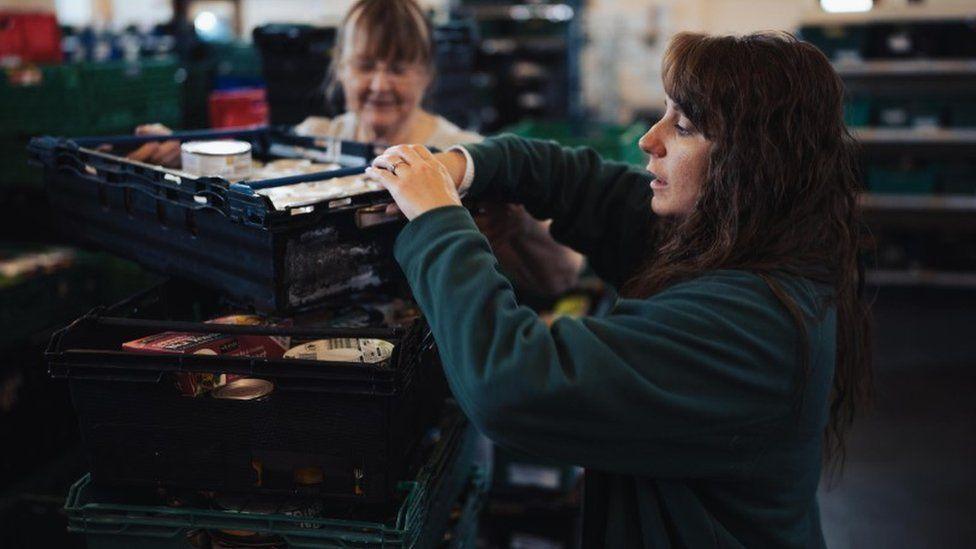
<point>366,351</point>
<point>228,159</point>
<point>245,388</point>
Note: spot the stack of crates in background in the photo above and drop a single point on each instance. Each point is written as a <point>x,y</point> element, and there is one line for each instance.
<point>85,98</point>
<point>39,99</point>
<point>295,61</point>
<point>452,94</point>
<point>528,61</point>
<point>120,95</point>
<point>910,98</point>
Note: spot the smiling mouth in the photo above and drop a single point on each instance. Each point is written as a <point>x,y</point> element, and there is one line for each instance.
<point>382,103</point>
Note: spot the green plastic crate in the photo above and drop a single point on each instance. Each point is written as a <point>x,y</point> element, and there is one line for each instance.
<point>610,141</point>
<point>121,95</point>
<point>857,112</point>
<point>888,180</point>
<point>420,521</point>
<point>33,305</point>
<point>40,100</point>
<point>236,60</point>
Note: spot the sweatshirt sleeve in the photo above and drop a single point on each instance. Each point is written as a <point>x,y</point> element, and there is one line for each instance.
<point>689,383</point>
<point>600,209</point>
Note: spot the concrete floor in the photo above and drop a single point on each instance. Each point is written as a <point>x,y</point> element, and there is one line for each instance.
<point>910,479</point>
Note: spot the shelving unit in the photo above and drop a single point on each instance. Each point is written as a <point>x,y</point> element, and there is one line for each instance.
<point>886,277</point>
<point>528,62</point>
<point>961,9</point>
<point>934,204</point>
<point>937,136</point>
<point>911,85</point>
<point>906,67</point>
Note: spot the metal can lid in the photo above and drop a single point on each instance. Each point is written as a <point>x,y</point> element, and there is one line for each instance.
<point>216,148</point>
<point>247,388</point>
<point>308,476</point>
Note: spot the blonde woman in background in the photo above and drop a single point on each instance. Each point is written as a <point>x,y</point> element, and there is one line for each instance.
<point>384,63</point>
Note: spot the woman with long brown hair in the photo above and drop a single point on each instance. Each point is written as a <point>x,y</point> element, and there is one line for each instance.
<point>705,404</point>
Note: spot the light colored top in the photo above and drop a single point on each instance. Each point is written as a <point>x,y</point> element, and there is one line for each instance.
<point>344,126</point>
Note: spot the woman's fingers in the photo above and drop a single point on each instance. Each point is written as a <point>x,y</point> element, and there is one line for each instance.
<point>386,177</point>
<point>170,156</point>
<point>153,129</point>
<point>387,162</point>
<point>144,153</point>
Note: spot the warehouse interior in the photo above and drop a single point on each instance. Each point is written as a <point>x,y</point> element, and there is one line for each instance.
<point>82,270</point>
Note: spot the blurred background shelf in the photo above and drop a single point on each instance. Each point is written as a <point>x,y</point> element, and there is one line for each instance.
<point>934,136</point>
<point>937,204</point>
<point>906,67</point>
<point>886,277</point>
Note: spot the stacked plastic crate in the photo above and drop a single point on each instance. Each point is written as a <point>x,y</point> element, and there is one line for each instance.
<point>317,448</point>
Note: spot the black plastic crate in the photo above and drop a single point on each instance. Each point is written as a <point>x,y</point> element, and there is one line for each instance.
<point>417,520</point>
<point>219,233</point>
<point>356,423</point>
<point>295,63</point>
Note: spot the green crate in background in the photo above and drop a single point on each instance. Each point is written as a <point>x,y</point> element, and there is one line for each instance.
<point>40,100</point>
<point>897,180</point>
<point>857,111</point>
<point>121,95</point>
<point>236,60</point>
<point>35,303</point>
<point>610,141</point>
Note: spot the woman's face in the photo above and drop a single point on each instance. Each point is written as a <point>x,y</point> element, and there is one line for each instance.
<point>679,162</point>
<point>383,94</point>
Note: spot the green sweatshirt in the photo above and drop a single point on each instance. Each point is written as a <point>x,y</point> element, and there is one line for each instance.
<point>688,409</point>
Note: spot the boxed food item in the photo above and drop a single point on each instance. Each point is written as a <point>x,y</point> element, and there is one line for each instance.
<point>195,384</point>
<point>213,343</point>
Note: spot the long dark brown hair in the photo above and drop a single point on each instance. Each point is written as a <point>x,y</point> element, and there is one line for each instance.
<point>780,195</point>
